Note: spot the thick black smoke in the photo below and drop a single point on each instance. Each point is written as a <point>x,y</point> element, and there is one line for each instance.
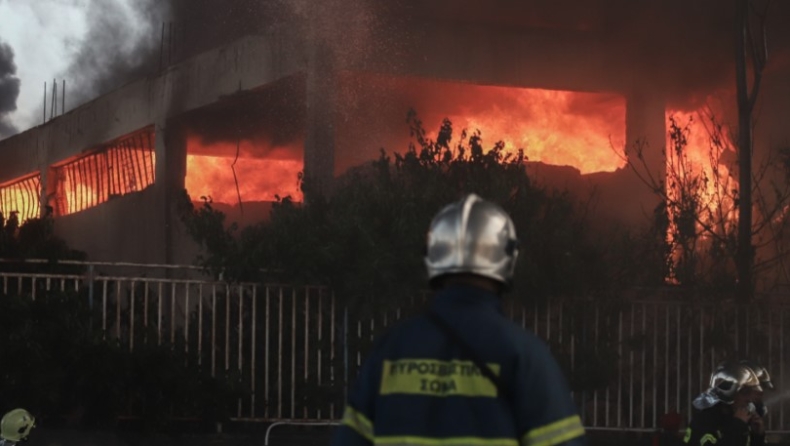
<point>9,89</point>
<point>118,48</point>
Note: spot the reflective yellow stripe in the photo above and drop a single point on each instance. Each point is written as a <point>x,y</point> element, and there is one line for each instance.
<point>708,438</point>
<point>360,423</point>
<point>431,377</point>
<point>451,441</point>
<point>688,435</point>
<point>554,433</point>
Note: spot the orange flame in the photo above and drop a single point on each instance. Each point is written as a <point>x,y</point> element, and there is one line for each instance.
<point>705,157</point>
<point>701,169</point>
<point>560,128</point>
<point>568,128</point>
<point>210,173</point>
<point>21,196</point>
<point>92,179</point>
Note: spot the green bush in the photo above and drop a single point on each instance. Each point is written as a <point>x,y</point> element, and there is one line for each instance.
<point>58,364</point>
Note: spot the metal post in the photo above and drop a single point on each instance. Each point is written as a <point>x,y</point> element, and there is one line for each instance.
<point>345,353</point>
<point>90,286</point>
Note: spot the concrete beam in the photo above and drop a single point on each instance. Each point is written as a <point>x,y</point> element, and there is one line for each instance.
<point>245,64</point>
<point>488,54</point>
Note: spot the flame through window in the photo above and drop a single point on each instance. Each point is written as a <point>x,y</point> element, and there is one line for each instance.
<point>21,196</point>
<point>120,167</point>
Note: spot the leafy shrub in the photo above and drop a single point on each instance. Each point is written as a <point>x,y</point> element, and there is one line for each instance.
<point>58,364</point>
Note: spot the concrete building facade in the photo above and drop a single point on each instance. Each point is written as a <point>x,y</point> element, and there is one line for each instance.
<point>133,142</point>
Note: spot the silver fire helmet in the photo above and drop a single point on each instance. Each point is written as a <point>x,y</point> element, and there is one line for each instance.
<point>728,379</point>
<point>761,372</point>
<point>472,236</point>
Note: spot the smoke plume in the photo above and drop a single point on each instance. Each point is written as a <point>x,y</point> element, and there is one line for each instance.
<point>9,89</point>
<point>117,48</point>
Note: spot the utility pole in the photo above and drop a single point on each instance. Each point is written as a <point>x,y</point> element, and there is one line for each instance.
<point>747,47</point>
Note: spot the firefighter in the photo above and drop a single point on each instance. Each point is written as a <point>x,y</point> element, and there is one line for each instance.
<point>462,373</point>
<point>726,414</point>
<point>765,383</point>
<point>668,433</point>
<point>15,426</point>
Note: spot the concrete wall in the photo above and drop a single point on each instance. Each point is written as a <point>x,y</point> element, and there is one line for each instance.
<point>121,225</point>
<point>20,154</point>
<point>126,229</point>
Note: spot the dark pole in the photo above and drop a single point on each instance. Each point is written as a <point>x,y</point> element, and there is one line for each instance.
<point>162,47</point>
<point>53,102</point>
<point>743,256</point>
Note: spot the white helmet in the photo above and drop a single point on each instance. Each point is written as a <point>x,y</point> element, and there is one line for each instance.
<point>761,372</point>
<point>472,236</point>
<point>728,379</point>
<point>725,382</point>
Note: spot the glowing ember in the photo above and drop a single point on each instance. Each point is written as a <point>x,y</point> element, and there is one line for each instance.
<point>258,179</point>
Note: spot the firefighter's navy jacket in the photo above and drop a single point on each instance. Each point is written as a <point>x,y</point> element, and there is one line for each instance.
<point>418,388</point>
<point>716,426</point>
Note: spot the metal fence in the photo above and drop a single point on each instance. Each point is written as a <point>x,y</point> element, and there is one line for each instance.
<point>297,349</point>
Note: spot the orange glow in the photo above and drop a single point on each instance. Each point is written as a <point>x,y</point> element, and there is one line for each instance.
<point>74,192</point>
<point>705,162</point>
<point>699,159</point>
<point>104,172</point>
<point>210,173</point>
<point>21,196</point>
<point>93,179</point>
<point>561,128</point>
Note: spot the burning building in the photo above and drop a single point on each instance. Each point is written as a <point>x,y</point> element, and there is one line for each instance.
<point>239,116</point>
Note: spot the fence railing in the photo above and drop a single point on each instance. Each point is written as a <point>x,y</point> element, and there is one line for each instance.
<point>297,349</point>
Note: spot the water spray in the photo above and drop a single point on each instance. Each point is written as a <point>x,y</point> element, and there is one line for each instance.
<point>773,399</point>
